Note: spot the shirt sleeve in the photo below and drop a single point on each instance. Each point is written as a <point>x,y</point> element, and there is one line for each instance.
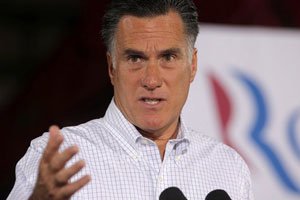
<point>246,186</point>
<point>26,171</point>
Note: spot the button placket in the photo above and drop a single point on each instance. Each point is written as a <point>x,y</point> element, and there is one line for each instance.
<point>177,158</point>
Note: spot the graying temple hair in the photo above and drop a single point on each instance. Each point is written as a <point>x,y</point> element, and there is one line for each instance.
<point>149,8</point>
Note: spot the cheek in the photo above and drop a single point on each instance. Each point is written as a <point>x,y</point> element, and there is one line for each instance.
<point>127,84</point>
<point>179,81</point>
<point>180,88</point>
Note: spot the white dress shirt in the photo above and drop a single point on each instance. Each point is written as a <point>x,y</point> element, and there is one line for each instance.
<point>125,165</point>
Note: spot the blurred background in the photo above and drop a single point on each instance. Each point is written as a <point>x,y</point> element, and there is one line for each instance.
<point>53,66</point>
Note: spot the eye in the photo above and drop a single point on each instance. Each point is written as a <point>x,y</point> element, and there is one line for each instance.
<point>134,58</point>
<point>169,57</point>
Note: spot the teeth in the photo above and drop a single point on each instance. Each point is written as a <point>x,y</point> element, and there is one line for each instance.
<point>151,101</point>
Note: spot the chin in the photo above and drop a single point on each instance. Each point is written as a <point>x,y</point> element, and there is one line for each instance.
<point>152,124</point>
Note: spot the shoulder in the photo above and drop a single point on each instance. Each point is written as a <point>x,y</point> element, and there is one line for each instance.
<point>83,134</point>
<point>219,158</point>
<point>202,144</point>
<point>221,164</point>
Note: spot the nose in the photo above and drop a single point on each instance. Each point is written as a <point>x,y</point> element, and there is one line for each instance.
<point>152,77</point>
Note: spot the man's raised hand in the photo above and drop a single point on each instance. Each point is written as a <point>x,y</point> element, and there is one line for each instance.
<point>53,177</point>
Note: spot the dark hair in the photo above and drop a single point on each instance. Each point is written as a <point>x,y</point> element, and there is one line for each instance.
<point>149,8</point>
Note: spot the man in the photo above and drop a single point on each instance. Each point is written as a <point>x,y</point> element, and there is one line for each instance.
<point>141,146</point>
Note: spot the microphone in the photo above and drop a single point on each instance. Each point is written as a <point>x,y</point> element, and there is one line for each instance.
<point>217,195</point>
<point>172,193</point>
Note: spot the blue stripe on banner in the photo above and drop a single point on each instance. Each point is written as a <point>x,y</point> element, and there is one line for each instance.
<point>292,132</point>
<point>257,133</point>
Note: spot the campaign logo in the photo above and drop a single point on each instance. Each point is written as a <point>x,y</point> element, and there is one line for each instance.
<point>258,126</point>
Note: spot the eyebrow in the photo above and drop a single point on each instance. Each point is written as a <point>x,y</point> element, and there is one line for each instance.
<point>134,52</point>
<point>170,51</point>
<point>142,54</point>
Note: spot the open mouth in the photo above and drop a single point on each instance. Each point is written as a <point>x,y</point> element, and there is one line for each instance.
<point>151,101</point>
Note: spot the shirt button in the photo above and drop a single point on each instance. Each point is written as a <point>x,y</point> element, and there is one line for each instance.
<point>160,179</point>
<point>177,158</point>
<point>144,141</point>
<point>134,157</point>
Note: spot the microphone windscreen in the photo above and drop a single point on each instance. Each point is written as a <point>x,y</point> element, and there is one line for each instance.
<point>172,193</point>
<point>217,195</point>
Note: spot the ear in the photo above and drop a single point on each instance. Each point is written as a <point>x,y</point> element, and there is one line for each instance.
<point>111,69</point>
<point>194,65</point>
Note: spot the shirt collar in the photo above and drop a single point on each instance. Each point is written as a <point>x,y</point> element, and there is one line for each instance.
<point>130,134</point>
<point>116,119</point>
<point>183,139</point>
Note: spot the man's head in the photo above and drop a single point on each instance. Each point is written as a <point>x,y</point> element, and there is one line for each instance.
<point>150,62</point>
<point>149,8</point>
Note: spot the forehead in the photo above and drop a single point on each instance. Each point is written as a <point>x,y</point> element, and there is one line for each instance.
<point>165,29</point>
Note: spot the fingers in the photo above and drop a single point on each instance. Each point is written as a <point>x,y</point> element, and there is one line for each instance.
<point>71,188</point>
<point>55,140</point>
<point>64,175</point>
<point>53,177</point>
<point>59,160</point>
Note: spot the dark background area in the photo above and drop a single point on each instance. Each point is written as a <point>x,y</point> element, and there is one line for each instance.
<point>53,66</point>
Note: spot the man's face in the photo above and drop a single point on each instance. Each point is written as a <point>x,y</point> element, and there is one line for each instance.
<point>152,73</point>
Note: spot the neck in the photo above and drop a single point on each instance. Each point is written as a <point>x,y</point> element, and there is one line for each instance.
<point>161,137</point>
